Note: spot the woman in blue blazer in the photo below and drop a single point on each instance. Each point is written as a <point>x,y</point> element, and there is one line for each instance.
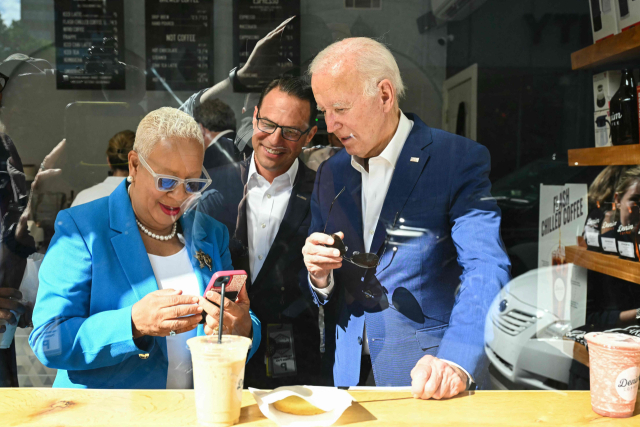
<point>121,285</point>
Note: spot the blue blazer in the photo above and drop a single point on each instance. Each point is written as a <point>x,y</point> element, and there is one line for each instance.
<point>96,268</point>
<point>442,260</point>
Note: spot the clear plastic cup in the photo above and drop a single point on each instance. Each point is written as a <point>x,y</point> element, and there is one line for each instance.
<point>218,377</point>
<point>614,367</point>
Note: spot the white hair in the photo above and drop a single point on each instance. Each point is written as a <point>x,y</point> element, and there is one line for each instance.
<point>373,61</point>
<point>165,122</point>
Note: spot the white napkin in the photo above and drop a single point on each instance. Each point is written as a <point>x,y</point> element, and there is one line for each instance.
<point>329,399</point>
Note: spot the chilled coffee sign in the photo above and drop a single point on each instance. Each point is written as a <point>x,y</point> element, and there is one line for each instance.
<point>561,287</point>
<point>564,210</point>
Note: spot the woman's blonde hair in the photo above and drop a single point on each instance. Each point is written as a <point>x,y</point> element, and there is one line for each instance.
<point>165,122</point>
<point>604,186</point>
<point>118,151</point>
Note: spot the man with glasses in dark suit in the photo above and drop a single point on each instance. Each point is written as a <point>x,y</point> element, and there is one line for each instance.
<point>266,208</point>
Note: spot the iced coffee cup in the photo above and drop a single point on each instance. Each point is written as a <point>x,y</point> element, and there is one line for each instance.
<point>614,367</point>
<point>218,377</point>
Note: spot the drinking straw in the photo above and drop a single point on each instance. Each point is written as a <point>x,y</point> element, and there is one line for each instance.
<point>221,313</point>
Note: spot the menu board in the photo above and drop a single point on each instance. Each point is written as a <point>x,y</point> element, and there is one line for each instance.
<point>79,25</point>
<point>254,19</point>
<point>179,44</point>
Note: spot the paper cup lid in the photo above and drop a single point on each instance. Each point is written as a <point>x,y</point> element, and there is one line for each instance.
<point>613,340</point>
<point>209,344</point>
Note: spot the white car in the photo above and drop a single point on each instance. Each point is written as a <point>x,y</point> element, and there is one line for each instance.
<point>523,341</point>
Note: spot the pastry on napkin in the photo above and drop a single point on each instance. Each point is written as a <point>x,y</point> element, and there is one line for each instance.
<point>328,404</point>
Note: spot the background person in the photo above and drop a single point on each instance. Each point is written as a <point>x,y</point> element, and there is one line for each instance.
<point>418,317</point>
<point>16,244</point>
<point>218,124</point>
<point>314,156</point>
<point>117,158</point>
<point>120,287</point>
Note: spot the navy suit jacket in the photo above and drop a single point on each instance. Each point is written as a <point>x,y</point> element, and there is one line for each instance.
<point>442,260</point>
<point>276,295</point>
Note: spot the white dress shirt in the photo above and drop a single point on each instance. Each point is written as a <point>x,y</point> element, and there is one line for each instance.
<point>266,206</point>
<point>176,272</point>
<point>98,191</point>
<point>375,184</point>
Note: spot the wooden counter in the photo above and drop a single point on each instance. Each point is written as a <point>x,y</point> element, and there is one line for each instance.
<point>139,408</point>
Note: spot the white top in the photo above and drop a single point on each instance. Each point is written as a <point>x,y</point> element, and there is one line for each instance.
<point>375,184</point>
<point>266,206</point>
<point>98,191</point>
<point>176,272</point>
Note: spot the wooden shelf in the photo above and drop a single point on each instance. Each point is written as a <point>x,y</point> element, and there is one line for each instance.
<point>619,48</point>
<point>605,156</point>
<point>606,264</point>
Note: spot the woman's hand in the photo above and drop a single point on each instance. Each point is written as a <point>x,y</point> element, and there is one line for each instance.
<point>160,312</point>
<point>237,320</point>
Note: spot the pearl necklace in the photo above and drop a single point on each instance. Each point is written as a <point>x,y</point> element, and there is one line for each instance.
<point>156,236</point>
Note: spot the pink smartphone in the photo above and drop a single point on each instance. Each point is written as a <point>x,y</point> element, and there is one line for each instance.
<point>234,282</point>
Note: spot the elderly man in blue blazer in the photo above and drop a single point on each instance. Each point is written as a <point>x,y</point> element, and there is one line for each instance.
<point>407,294</point>
<point>122,282</point>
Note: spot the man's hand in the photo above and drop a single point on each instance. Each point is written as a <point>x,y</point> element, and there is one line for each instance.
<point>237,319</point>
<point>8,303</point>
<point>319,259</point>
<point>433,378</point>
<point>261,59</point>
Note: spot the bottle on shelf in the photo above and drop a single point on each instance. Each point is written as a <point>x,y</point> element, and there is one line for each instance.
<point>624,111</point>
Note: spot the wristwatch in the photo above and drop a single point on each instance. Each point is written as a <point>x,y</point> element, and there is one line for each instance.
<point>235,82</point>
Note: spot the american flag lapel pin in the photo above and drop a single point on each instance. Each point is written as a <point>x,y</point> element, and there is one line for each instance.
<point>415,159</point>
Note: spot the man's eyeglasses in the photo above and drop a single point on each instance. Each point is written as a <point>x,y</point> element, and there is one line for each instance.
<point>3,82</point>
<point>288,133</point>
<point>168,182</point>
<point>367,260</point>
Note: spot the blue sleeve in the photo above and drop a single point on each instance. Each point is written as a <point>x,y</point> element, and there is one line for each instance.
<point>317,224</point>
<point>65,335</point>
<point>474,217</point>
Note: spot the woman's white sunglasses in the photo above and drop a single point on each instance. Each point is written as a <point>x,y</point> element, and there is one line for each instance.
<point>168,182</point>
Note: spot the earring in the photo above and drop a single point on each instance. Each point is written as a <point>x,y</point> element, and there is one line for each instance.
<point>129,179</point>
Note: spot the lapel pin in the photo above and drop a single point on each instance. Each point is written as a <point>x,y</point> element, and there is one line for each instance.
<point>204,259</point>
<point>303,198</point>
<point>415,159</point>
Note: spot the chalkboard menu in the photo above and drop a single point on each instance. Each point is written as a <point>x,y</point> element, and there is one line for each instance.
<point>179,50</point>
<point>254,19</point>
<point>79,25</point>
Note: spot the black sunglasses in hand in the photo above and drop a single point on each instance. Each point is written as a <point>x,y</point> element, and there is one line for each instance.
<point>366,260</point>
